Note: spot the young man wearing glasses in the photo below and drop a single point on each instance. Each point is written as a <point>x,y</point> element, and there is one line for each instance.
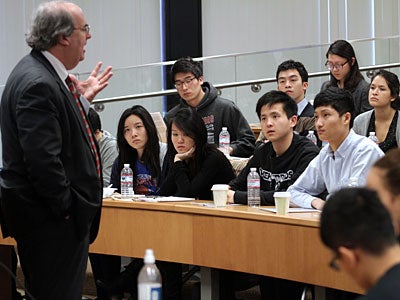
<point>358,229</point>
<point>217,112</point>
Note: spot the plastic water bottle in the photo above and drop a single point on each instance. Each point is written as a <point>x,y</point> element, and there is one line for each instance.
<point>311,136</point>
<point>149,279</point>
<point>126,182</point>
<point>373,137</point>
<point>253,188</point>
<point>224,140</point>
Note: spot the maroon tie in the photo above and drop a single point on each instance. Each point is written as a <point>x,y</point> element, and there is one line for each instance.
<point>75,93</point>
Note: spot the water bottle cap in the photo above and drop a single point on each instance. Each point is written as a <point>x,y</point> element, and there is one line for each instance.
<point>224,128</point>
<point>149,257</point>
<point>372,133</point>
<point>126,165</point>
<point>253,169</point>
<point>311,131</point>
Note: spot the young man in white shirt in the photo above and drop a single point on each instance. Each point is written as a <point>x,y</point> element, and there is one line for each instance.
<point>347,155</point>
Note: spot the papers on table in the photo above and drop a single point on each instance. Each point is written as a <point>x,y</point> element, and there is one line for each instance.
<point>137,197</point>
<point>292,210</point>
<point>134,197</point>
<point>165,199</point>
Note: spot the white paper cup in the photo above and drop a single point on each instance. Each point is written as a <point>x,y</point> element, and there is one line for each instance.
<point>220,194</point>
<point>282,200</point>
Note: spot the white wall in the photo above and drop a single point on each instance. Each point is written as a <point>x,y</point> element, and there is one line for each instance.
<point>126,33</point>
<point>235,26</point>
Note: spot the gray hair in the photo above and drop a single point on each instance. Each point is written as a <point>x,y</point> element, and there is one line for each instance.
<point>50,20</point>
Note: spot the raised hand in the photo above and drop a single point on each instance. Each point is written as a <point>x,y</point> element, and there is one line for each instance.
<point>95,83</point>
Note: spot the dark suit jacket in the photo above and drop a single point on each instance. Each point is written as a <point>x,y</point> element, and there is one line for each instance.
<point>308,111</point>
<point>49,170</point>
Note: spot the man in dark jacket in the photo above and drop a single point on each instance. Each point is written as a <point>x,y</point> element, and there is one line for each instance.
<point>279,162</point>
<point>51,180</point>
<point>216,112</point>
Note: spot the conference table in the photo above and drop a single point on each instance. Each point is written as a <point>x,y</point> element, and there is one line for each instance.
<point>235,237</point>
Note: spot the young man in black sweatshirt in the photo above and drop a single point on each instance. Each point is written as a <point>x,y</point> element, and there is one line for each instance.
<point>283,158</point>
<point>279,162</point>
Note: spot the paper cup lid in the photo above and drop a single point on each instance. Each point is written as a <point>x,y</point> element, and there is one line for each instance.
<point>282,194</point>
<point>220,187</point>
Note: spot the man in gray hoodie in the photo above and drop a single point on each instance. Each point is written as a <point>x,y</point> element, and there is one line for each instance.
<point>217,112</point>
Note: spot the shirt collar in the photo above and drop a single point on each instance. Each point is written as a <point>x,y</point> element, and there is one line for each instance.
<point>301,105</point>
<point>57,65</point>
<point>344,148</point>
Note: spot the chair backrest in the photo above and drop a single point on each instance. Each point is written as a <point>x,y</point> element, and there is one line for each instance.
<point>161,127</point>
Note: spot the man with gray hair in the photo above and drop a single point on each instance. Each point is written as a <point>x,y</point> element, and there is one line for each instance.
<point>51,181</point>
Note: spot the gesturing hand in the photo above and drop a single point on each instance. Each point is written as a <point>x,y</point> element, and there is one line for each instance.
<point>94,84</point>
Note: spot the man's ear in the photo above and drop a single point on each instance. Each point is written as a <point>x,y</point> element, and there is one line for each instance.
<point>201,80</point>
<point>305,86</point>
<point>63,40</point>
<point>347,117</point>
<point>293,121</point>
<point>348,258</point>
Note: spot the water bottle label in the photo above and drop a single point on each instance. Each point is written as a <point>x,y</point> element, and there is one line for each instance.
<point>253,183</point>
<point>125,178</point>
<point>149,291</point>
<point>224,140</point>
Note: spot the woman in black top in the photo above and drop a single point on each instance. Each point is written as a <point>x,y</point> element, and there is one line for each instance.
<point>384,118</point>
<point>192,166</point>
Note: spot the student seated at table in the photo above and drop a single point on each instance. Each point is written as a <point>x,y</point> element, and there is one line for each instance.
<point>384,118</point>
<point>138,145</point>
<point>346,157</point>
<point>279,163</point>
<point>292,79</point>
<point>192,166</point>
<point>216,112</point>
<point>358,229</point>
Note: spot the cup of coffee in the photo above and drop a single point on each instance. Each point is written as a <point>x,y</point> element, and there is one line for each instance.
<point>220,194</point>
<point>282,200</point>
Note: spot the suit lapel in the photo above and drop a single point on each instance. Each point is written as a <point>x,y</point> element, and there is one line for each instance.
<point>68,95</point>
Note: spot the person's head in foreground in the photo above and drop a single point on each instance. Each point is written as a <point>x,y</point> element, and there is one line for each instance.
<point>358,229</point>
<point>384,178</point>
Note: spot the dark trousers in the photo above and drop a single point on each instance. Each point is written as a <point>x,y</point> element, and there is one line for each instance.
<point>105,268</point>
<point>54,261</point>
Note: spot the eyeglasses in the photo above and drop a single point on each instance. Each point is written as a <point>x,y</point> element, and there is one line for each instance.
<point>85,28</point>
<point>179,84</point>
<point>330,66</point>
<point>333,264</point>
